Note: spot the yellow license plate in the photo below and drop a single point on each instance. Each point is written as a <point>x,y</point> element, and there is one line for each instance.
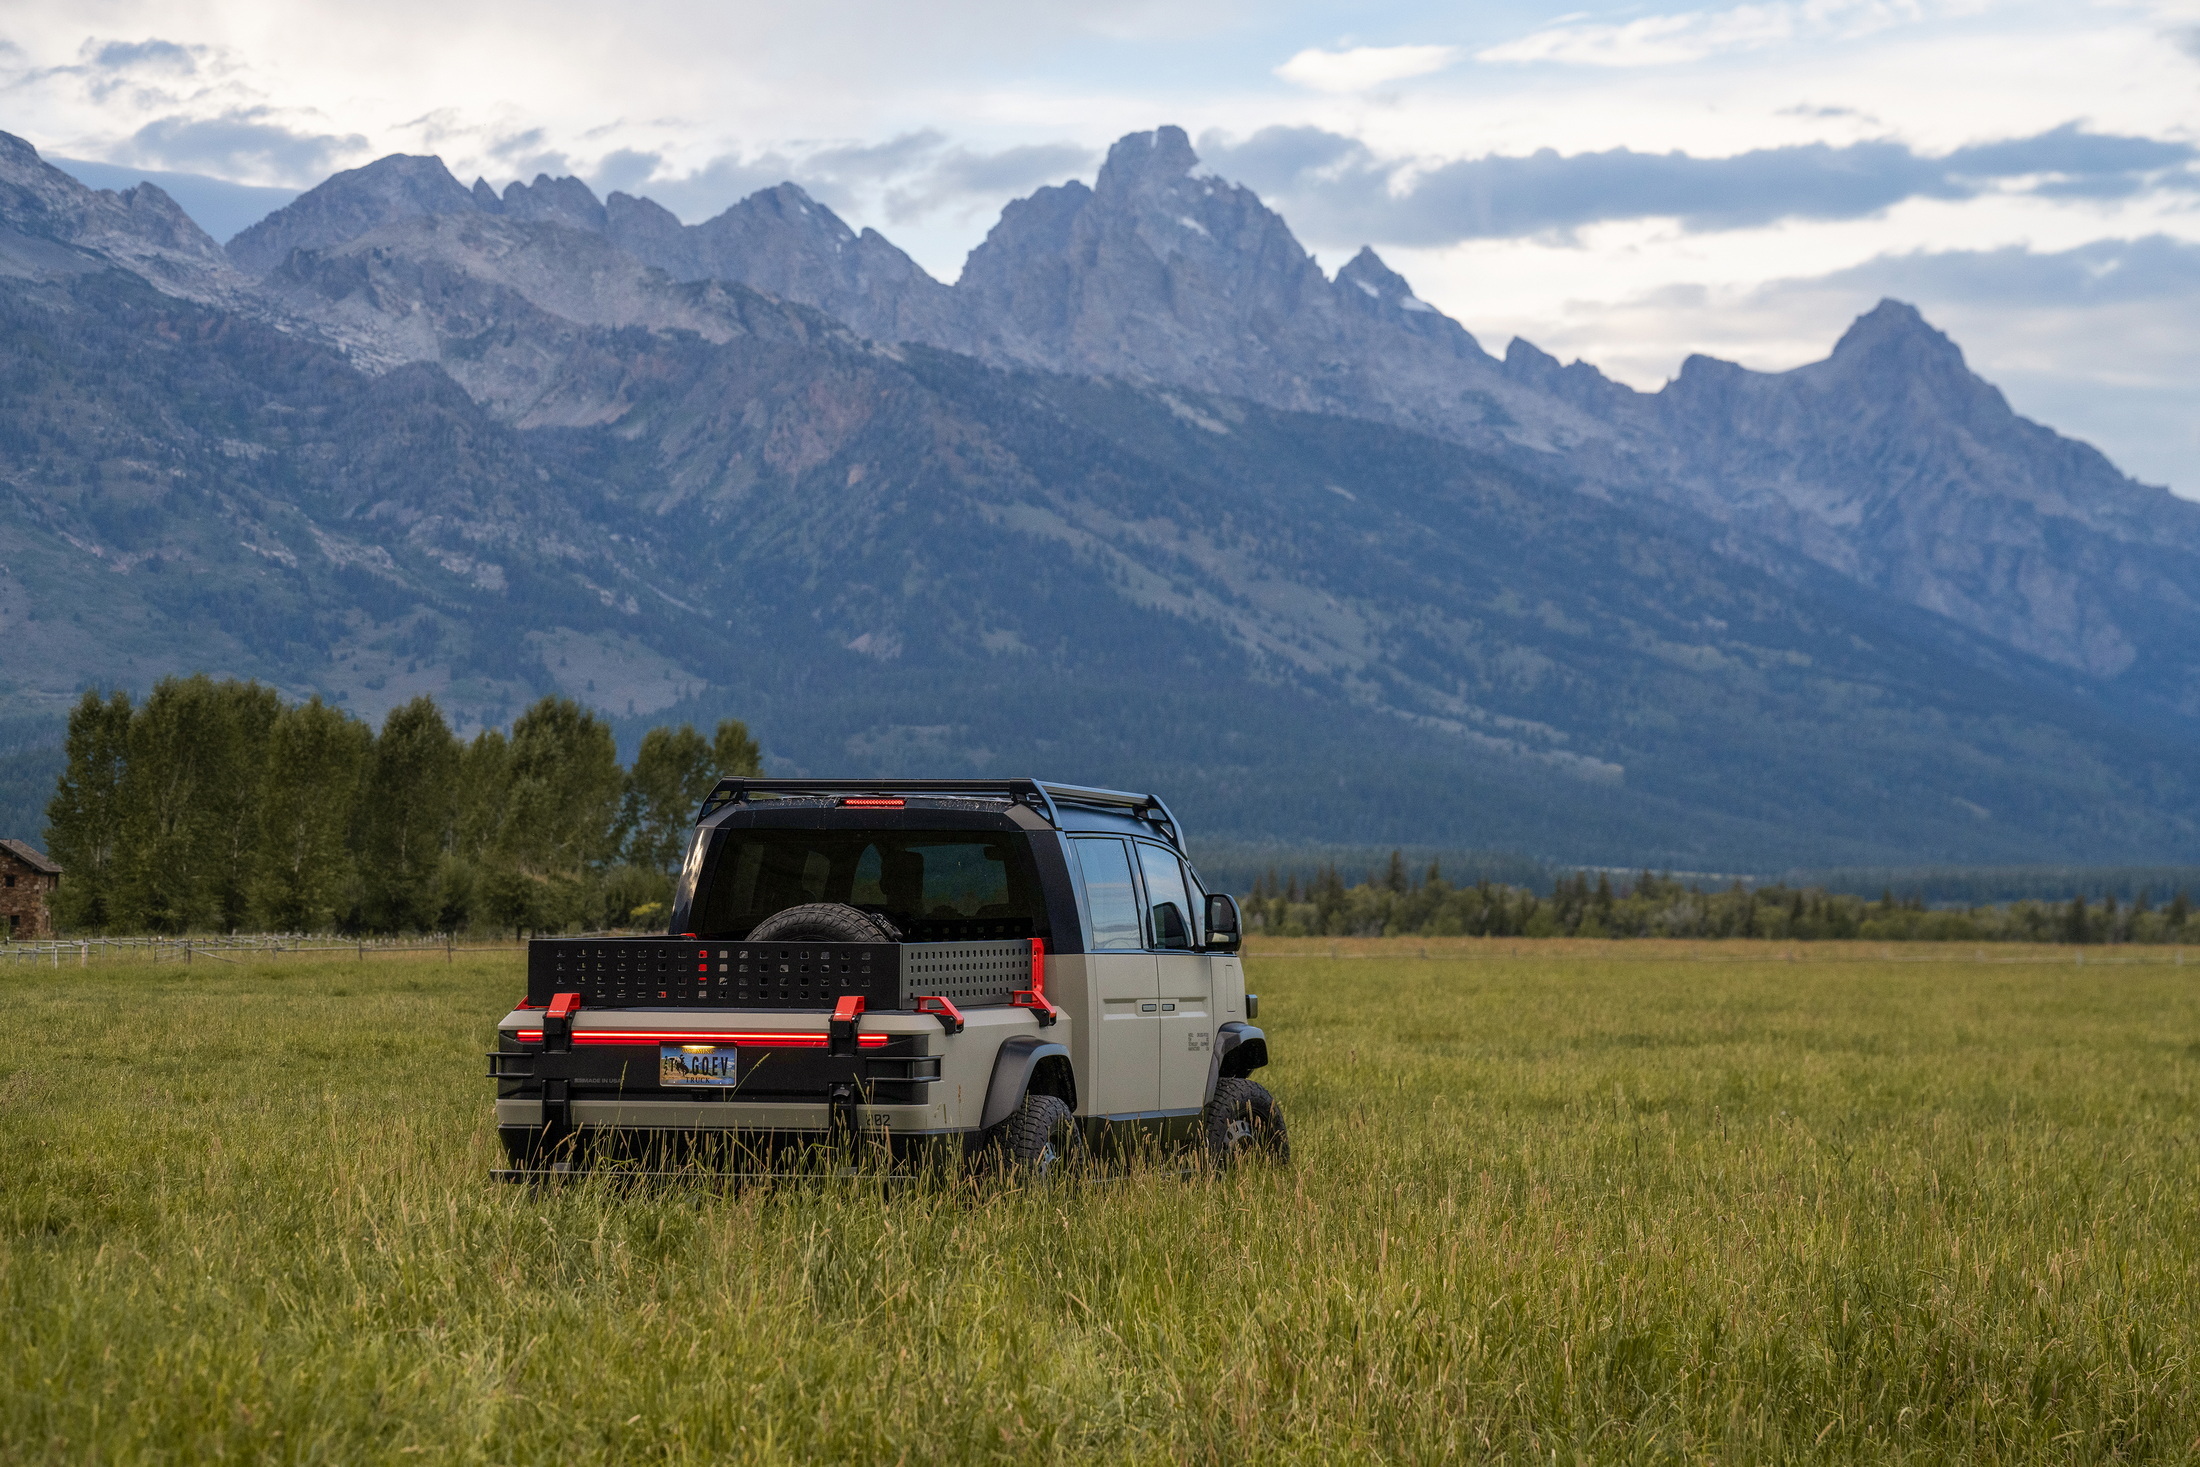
<point>697,1064</point>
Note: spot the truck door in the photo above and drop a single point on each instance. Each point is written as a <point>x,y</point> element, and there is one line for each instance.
<point>1182,984</point>
<point>1125,997</point>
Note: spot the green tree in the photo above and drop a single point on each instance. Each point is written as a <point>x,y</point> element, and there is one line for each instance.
<point>673,770</point>
<point>83,821</point>
<point>316,759</point>
<point>409,819</point>
<point>556,831</point>
<point>484,775</point>
<point>188,795</point>
<point>733,752</point>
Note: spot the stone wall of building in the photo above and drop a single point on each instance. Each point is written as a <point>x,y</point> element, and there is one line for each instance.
<point>26,893</point>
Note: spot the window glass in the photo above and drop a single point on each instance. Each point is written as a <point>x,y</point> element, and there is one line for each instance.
<point>1109,893</point>
<point>1196,914</point>
<point>936,885</point>
<point>1168,908</point>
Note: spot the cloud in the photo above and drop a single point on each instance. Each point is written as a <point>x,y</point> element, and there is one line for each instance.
<point>148,55</point>
<point>2156,268</point>
<point>1335,189</point>
<point>1364,68</point>
<point>624,170</point>
<point>246,142</point>
<point>1694,35</point>
<point>910,176</point>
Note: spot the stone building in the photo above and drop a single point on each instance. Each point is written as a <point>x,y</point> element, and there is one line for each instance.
<point>27,882</point>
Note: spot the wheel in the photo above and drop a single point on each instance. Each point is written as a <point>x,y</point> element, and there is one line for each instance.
<point>824,922</point>
<point>1040,1137</point>
<point>1244,1120</point>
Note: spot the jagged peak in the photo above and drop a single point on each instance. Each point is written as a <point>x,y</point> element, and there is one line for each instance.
<point>1366,273</point>
<point>789,202</point>
<point>1900,327</point>
<point>1523,354</point>
<point>346,205</point>
<point>421,174</point>
<point>1147,160</point>
<point>560,200</point>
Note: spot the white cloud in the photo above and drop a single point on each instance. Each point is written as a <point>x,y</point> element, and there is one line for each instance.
<point>1695,35</point>
<point>1363,68</point>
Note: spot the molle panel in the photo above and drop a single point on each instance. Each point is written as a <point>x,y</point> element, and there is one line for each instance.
<point>970,975</point>
<point>659,972</point>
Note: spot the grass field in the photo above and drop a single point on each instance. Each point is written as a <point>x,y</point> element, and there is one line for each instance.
<point>1554,1205</point>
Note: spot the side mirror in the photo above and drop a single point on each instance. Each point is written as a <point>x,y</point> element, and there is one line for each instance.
<point>1225,928</point>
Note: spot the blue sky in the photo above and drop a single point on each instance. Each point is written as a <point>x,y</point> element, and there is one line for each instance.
<point>1627,184</point>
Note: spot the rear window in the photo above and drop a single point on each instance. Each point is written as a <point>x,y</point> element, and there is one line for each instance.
<point>936,885</point>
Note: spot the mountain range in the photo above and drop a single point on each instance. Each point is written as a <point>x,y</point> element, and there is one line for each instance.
<point>1145,497</point>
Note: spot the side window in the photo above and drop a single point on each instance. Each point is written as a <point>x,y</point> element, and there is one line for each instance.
<point>1108,890</point>
<point>1168,908</point>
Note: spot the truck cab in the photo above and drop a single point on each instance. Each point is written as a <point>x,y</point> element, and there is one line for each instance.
<point>1024,971</point>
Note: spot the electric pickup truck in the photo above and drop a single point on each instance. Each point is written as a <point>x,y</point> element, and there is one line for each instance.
<point>1018,973</point>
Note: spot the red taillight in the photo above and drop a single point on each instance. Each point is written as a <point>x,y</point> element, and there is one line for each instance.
<point>862,804</point>
<point>782,1039</point>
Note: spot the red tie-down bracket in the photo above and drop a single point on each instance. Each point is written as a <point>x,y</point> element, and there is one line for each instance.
<point>950,1017</point>
<point>841,1029</point>
<point>1035,997</point>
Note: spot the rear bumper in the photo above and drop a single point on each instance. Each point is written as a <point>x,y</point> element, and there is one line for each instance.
<point>762,1117</point>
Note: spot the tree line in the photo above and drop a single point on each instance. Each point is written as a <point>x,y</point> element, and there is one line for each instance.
<point>1399,903</point>
<point>215,806</point>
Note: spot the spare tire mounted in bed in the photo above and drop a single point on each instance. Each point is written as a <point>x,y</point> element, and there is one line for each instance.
<point>825,922</point>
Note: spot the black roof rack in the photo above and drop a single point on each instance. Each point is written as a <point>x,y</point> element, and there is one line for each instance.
<point>1041,795</point>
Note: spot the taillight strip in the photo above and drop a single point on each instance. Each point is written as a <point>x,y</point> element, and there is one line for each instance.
<point>776,1038</point>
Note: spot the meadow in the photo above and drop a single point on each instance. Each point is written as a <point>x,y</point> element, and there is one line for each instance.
<point>1550,1203</point>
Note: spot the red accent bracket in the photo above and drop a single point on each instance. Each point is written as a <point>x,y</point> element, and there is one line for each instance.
<point>1035,997</point>
<point>950,1017</point>
<point>557,1023</point>
<point>841,1028</point>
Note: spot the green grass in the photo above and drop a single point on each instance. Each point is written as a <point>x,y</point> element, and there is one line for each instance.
<point>1546,1208</point>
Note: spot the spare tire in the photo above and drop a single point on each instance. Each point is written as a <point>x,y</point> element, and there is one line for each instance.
<point>824,922</point>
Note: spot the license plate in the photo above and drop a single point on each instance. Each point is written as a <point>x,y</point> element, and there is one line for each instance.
<point>696,1064</point>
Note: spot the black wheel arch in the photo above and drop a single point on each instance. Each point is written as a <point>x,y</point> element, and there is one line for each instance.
<point>1026,1064</point>
<point>1239,1050</point>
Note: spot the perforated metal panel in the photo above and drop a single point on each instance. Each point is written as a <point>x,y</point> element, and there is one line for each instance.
<point>714,973</point>
<point>966,974</point>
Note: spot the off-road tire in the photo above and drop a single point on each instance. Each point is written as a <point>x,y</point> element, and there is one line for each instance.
<point>1040,1138</point>
<point>1243,1121</point>
<point>824,922</point>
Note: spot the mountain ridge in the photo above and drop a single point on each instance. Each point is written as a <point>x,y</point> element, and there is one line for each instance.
<point>1569,628</point>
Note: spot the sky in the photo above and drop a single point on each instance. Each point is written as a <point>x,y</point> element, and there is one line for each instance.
<point>1626,184</point>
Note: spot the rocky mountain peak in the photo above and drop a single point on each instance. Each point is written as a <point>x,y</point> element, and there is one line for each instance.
<point>1367,273</point>
<point>139,228</point>
<point>350,204</point>
<point>1893,333</point>
<point>565,201</point>
<point>1144,162</point>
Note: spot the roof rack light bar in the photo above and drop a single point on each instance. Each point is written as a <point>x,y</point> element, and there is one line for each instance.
<point>1040,794</point>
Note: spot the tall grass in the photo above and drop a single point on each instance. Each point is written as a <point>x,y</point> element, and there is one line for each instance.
<point>1544,1208</point>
